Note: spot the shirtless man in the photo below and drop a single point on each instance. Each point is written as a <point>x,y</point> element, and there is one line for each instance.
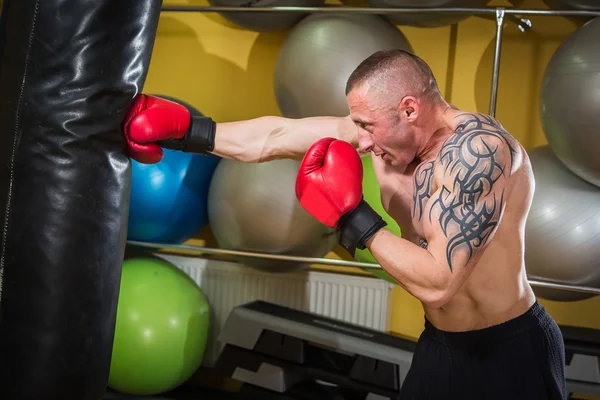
<point>460,187</point>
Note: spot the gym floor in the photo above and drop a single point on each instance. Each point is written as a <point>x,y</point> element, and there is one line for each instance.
<point>196,393</point>
<point>182,393</point>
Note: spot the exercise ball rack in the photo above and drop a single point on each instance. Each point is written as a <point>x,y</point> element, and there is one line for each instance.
<point>500,14</point>
<point>229,255</point>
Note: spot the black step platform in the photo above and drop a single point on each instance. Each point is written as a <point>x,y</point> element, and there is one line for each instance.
<point>283,353</point>
<point>582,359</point>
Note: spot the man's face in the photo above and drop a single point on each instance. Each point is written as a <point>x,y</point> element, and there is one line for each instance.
<point>381,129</point>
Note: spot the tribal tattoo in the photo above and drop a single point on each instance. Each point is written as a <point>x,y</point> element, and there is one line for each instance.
<point>423,177</point>
<point>475,157</point>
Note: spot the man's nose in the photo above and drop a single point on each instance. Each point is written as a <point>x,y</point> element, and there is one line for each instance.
<point>365,144</point>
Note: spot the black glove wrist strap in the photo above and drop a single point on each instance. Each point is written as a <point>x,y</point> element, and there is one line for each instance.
<point>358,226</point>
<point>199,139</point>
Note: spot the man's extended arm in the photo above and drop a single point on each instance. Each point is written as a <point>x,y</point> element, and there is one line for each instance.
<point>460,218</point>
<point>269,138</point>
<point>153,123</point>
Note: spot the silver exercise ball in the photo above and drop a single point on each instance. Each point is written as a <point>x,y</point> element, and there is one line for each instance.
<point>265,21</point>
<point>253,207</point>
<point>562,233</point>
<point>319,55</point>
<point>428,20</point>
<point>570,102</point>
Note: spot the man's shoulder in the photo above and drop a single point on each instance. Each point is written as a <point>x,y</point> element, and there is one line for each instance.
<point>479,140</point>
<point>465,122</point>
<point>477,129</point>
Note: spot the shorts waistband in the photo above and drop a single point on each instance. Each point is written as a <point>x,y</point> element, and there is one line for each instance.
<point>535,316</point>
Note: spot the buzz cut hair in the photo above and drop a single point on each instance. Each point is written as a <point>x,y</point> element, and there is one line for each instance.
<point>396,69</point>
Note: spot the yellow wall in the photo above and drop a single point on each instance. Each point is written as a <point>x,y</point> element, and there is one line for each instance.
<point>226,72</point>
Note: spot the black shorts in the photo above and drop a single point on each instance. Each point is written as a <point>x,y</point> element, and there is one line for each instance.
<point>523,358</point>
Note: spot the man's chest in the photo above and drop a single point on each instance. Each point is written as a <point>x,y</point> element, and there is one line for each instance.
<point>406,197</point>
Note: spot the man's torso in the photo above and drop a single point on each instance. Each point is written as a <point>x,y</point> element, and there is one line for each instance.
<point>497,289</point>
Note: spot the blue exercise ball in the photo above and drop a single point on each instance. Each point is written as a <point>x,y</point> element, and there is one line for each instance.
<point>168,201</point>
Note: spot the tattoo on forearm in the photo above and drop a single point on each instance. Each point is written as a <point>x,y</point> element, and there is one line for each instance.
<point>469,212</point>
<point>422,191</point>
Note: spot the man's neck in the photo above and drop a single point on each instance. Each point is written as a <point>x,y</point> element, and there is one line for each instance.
<point>435,132</point>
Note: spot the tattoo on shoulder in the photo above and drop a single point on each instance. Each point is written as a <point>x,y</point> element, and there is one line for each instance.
<point>476,157</point>
<point>422,190</point>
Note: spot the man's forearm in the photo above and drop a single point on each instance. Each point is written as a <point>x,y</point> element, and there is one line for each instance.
<point>271,138</point>
<point>413,267</point>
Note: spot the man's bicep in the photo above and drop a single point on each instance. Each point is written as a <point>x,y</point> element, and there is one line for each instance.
<point>466,210</point>
<point>457,231</point>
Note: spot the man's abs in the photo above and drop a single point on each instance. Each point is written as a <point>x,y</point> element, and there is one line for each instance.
<point>497,289</point>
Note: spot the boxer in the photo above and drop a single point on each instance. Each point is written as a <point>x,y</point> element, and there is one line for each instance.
<point>460,187</point>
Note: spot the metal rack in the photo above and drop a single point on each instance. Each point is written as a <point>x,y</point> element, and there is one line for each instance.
<point>235,255</point>
<point>501,15</point>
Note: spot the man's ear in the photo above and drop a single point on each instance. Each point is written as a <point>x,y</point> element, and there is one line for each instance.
<point>408,108</point>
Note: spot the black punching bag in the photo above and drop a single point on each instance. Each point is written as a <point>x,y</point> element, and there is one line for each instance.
<point>69,69</point>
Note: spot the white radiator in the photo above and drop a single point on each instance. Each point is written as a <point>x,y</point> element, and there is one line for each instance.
<point>355,299</point>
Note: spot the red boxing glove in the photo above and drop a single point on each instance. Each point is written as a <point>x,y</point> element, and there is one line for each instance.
<point>329,187</point>
<point>151,119</point>
<point>153,122</point>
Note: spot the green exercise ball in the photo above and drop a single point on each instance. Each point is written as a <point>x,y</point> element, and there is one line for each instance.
<point>372,196</point>
<point>161,330</point>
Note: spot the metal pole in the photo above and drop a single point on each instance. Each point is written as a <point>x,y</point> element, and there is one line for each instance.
<point>198,251</point>
<point>239,253</point>
<point>562,13</point>
<point>375,10</point>
<point>568,288</point>
<point>326,9</point>
<point>497,51</point>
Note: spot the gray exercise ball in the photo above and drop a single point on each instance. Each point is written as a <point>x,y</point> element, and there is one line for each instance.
<point>562,233</point>
<point>265,21</point>
<point>253,207</point>
<point>570,102</point>
<point>428,20</point>
<point>319,55</point>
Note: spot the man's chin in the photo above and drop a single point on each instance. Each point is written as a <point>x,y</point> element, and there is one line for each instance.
<point>398,167</point>
<point>389,160</point>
